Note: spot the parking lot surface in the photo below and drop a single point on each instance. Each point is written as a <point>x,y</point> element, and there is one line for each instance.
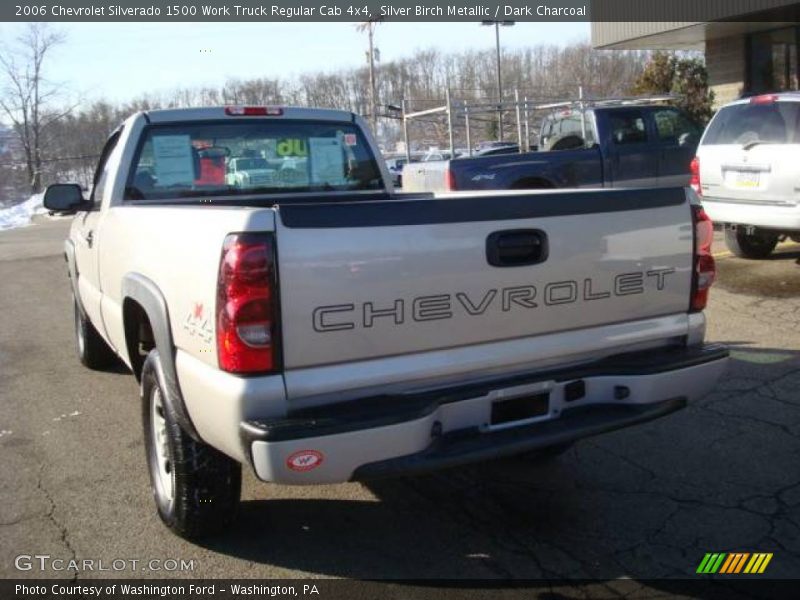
<point>649,502</point>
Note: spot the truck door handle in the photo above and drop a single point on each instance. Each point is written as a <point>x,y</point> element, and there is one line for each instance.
<point>516,247</point>
<point>89,237</point>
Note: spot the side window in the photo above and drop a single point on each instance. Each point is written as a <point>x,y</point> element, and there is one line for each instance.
<point>627,127</point>
<point>674,127</point>
<point>99,186</point>
<point>101,173</point>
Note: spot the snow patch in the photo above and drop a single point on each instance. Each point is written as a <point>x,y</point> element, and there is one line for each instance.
<point>74,413</point>
<point>20,214</point>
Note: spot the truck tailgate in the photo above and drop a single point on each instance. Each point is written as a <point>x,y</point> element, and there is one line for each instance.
<point>365,280</point>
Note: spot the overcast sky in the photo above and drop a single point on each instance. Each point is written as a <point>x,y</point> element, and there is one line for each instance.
<point>120,61</point>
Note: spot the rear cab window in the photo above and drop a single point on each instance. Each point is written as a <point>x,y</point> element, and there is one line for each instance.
<point>768,122</point>
<point>214,158</point>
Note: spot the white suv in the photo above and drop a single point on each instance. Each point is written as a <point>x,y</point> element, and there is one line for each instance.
<point>747,170</point>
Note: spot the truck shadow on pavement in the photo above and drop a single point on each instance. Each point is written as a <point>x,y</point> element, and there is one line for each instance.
<point>647,502</point>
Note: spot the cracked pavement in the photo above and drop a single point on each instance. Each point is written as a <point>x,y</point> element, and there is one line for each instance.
<point>644,503</point>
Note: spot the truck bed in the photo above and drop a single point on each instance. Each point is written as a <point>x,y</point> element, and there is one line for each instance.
<point>529,170</point>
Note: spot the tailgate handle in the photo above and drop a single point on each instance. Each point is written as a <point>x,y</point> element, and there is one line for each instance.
<point>516,247</point>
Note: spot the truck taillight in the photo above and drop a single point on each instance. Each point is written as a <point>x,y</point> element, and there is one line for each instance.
<point>247,297</point>
<point>449,180</point>
<point>705,269</point>
<point>694,179</point>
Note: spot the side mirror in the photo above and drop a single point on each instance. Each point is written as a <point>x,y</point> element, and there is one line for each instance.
<point>64,198</point>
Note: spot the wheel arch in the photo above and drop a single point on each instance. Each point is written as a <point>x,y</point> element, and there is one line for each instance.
<point>144,306</point>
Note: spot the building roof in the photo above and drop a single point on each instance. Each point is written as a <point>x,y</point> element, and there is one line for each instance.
<point>721,18</point>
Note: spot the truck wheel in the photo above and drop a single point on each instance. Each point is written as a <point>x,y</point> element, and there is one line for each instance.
<point>758,244</point>
<point>93,352</point>
<point>196,488</point>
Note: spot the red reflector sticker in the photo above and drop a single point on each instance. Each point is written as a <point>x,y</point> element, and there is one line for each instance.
<point>304,460</point>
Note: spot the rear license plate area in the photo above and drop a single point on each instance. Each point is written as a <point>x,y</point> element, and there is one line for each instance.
<point>747,179</point>
<point>520,409</point>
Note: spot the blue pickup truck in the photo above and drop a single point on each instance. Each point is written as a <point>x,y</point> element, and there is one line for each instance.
<point>606,146</point>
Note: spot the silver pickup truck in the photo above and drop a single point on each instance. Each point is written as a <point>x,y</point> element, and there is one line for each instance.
<point>321,328</point>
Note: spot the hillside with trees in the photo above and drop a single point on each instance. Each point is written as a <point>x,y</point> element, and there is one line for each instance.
<point>57,139</point>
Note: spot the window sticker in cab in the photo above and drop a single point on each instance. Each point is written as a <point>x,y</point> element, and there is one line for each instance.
<point>327,160</point>
<point>172,155</point>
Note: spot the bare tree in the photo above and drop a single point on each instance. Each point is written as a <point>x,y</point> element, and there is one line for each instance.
<point>26,96</point>
<point>541,73</point>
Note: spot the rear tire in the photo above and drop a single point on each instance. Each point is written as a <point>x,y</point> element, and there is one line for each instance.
<point>93,352</point>
<point>196,488</point>
<point>756,245</point>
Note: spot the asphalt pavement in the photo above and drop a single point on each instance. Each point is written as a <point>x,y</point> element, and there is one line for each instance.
<point>644,503</point>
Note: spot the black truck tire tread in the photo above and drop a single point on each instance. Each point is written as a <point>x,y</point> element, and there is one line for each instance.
<point>207,485</point>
